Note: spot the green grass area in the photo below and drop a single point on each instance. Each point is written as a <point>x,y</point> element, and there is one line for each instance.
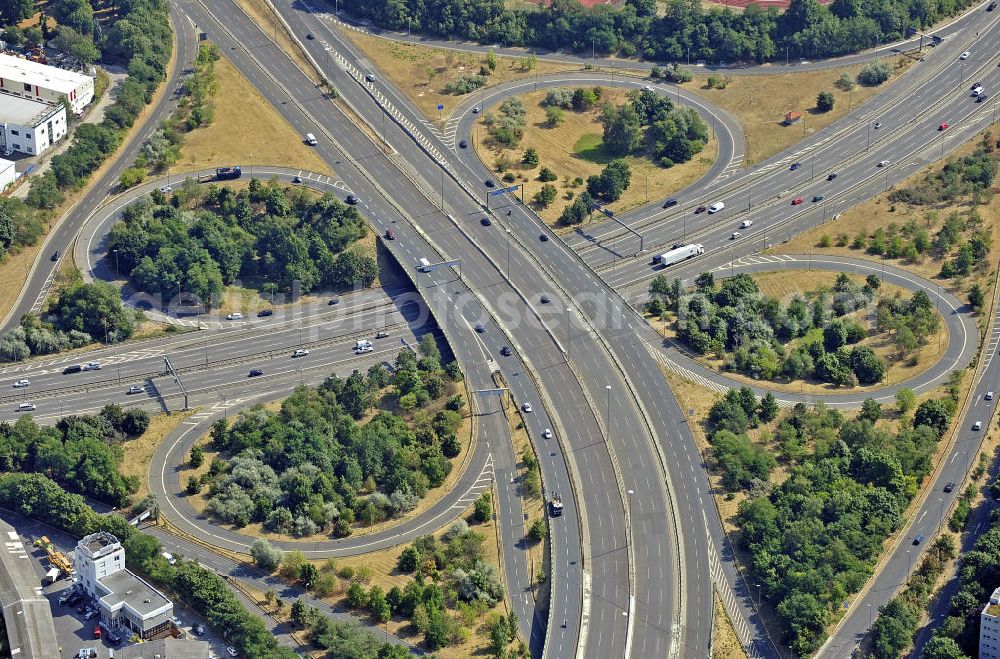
<point>590,147</point>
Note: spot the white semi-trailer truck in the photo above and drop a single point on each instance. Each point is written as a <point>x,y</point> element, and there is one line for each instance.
<point>678,254</point>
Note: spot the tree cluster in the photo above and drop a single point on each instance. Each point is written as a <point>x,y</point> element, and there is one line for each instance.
<point>312,468</point>
<point>345,639</point>
<point>276,234</point>
<point>507,128</point>
<point>449,574</point>
<point>971,174</point>
<point>683,30</point>
<point>765,339</point>
<point>81,453</point>
<point>814,538</point>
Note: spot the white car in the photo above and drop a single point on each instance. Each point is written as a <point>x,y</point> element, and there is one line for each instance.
<point>883,163</point>
<point>526,407</point>
<point>236,315</point>
<point>978,425</point>
<point>135,389</point>
<point>988,396</point>
<point>964,55</point>
<point>232,652</point>
<point>26,407</point>
<point>736,234</point>
<point>21,383</point>
<point>547,433</point>
<point>301,352</point>
<point>746,224</point>
<point>165,189</point>
<point>92,366</point>
<point>647,88</point>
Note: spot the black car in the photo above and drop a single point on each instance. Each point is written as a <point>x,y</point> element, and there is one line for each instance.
<point>463,144</point>
<point>917,540</point>
<point>489,183</point>
<point>544,299</point>
<point>480,328</point>
<point>297,180</point>
<point>55,255</point>
<point>669,202</point>
<point>544,237</point>
<point>75,368</point>
<point>795,165</point>
<point>485,221</point>
<point>831,177</point>
<point>256,372</point>
<point>263,313</point>
<point>992,6</point>
<point>980,98</point>
<point>310,36</point>
<point>505,351</point>
<point>333,301</point>
<point>351,199</point>
<point>949,487</point>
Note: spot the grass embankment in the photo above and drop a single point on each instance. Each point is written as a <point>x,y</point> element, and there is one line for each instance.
<point>725,643</point>
<point>138,452</point>
<point>246,130</point>
<point>421,72</point>
<point>575,149</point>
<point>761,101</point>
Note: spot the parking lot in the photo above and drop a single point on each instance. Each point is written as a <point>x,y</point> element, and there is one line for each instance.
<point>73,631</point>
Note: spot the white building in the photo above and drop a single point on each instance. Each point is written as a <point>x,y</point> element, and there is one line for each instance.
<point>28,126</point>
<point>989,628</point>
<point>7,174</point>
<point>125,600</point>
<point>44,83</point>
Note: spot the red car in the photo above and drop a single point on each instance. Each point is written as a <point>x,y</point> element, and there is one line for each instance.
<point>97,631</point>
<point>700,209</point>
<point>390,234</point>
<point>943,127</point>
<point>796,201</point>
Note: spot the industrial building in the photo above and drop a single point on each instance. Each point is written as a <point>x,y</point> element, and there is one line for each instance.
<point>46,84</point>
<point>125,601</point>
<point>28,126</point>
<point>7,174</point>
<point>26,611</point>
<point>989,628</point>
<point>167,648</point>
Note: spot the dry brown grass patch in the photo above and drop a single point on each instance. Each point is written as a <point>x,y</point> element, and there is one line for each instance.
<point>725,643</point>
<point>560,150</point>
<point>761,101</point>
<point>138,452</point>
<point>246,130</point>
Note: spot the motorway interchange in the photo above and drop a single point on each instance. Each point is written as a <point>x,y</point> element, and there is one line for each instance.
<point>636,556</point>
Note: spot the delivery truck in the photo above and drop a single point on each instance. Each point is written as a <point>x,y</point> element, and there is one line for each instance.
<point>678,254</point>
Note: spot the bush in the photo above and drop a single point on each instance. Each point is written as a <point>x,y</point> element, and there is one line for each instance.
<point>538,530</point>
<point>546,175</point>
<point>825,101</point>
<point>265,556</point>
<point>874,74</point>
<point>465,84</point>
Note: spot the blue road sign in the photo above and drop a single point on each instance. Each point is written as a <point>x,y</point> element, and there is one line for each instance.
<point>440,106</point>
<point>504,190</point>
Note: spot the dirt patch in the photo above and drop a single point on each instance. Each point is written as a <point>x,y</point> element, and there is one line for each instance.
<point>761,101</point>
<point>139,452</point>
<point>246,130</point>
<point>573,150</point>
<point>421,72</point>
<point>725,643</point>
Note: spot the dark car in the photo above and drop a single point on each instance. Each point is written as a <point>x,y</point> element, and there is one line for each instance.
<point>831,176</point>
<point>256,372</point>
<point>333,301</point>
<point>975,84</point>
<point>980,98</point>
<point>463,144</point>
<point>544,237</point>
<point>370,77</point>
<point>297,180</point>
<point>544,299</point>
<point>489,183</point>
<point>917,540</point>
<point>55,255</point>
<point>75,368</point>
<point>700,209</point>
<point>949,487</point>
<point>669,202</point>
<point>480,328</point>
<point>310,36</point>
<point>485,221</point>
<point>264,313</point>
<point>351,199</point>
<point>199,630</point>
<point>818,197</point>
<point>795,165</point>
<point>992,6</point>
<point>505,351</point>
<point>390,234</point>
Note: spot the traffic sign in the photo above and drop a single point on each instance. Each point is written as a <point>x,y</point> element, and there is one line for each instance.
<point>512,188</point>
<point>440,106</point>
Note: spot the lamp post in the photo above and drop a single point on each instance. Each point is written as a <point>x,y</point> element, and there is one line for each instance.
<point>569,336</point>
<point>608,417</point>
<point>508,256</point>
<point>116,261</point>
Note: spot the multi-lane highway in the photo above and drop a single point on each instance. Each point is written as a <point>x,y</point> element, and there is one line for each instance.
<point>635,558</point>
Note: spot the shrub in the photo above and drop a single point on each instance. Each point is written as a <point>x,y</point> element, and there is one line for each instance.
<point>874,74</point>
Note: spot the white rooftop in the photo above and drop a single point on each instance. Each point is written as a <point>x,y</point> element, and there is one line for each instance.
<point>24,111</point>
<point>43,75</point>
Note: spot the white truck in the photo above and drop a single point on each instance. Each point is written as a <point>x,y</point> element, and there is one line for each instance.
<point>363,346</point>
<point>679,254</point>
<point>424,265</point>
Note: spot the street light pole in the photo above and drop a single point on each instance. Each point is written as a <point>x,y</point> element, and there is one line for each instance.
<point>569,337</point>
<point>508,256</point>
<point>608,417</point>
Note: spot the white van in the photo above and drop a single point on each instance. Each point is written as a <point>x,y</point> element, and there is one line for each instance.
<point>236,315</point>
<point>362,346</point>
<point>424,265</point>
<point>716,207</point>
<point>310,139</point>
<point>977,91</point>
<point>25,407</point>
